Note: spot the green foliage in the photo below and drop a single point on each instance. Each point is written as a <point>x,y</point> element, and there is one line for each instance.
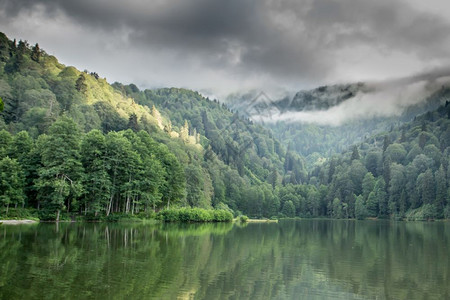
<point>360,209</point>
<point>19,213</point>
<point>12,183</point>
<point>194,215</point>
<point>288,209</point>
<point>243,219</point>
<point>423,213</point>
<point>83,147</point>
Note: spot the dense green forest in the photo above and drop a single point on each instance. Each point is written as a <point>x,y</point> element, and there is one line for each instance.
<point>401,173</point>
<point>73,145</point>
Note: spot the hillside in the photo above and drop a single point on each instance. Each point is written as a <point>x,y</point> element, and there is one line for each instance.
<point>316,139</point>
<point>402,173</point>
<point>139,150</point>
<point>73,145</point>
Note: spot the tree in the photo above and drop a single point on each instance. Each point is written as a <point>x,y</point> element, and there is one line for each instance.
<point>36,53</point>
<point>357,172</point>
<point>5,141</point>
<point>403,136</point>
<point>12,183</point>
<point>59,182</point>
<point>386,142</point>
<point>396,186</point>
<point>20,146</point>
<point>122,164</point>
<point>396,152</point>
<point>426,187</point>
<point>173,189</point>
<point>355,153</point>
<point>288,209</point>
<point>331,170</point>
<point>368,185</point>
<point>422,139</point>
<point>96,181</point>
<point>195,182</point>
<point>184,132</point>
<point>380,194</point>
<point>372,204</point>
<point>2,105</point>
<point>337,209</point>
<point>158,118</point>
<point>80,84</point>
<point>372,162</point>
<point>441,189</point>
<point>133,122</point>
<point>360,209</point>
<point>273,178</point>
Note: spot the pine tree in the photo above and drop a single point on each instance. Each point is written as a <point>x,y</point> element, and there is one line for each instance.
<point>380,194</point>
<point>36,53</point>
<point>386,142</point>
<point>133,122</point>
<point>355,153</point>
<point>80,84</point>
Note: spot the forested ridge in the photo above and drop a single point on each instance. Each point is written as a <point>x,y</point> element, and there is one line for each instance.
<point>73,145</point>
<point>403,173</point>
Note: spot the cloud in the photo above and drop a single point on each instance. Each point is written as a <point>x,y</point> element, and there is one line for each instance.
<point>235,44</point>
<point>374,99</point>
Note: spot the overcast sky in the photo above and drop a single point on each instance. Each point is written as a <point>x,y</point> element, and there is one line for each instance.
<point>230,45</point>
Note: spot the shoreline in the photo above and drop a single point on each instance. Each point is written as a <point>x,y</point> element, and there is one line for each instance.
<point>17,222</point>
<point>262,221</point>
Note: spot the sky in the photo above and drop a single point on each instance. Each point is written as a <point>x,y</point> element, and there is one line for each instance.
<point>225,46</point>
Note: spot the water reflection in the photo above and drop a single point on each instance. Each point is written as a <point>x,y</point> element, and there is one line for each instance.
<point>314,259</point>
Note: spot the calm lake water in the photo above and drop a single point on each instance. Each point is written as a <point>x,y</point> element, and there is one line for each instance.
<point>303,259</point>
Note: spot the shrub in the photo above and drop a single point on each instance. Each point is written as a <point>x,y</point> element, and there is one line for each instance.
<point>113,218</point>
<point>186,214</point>
<point>423,213</point>
<point>243,218</point>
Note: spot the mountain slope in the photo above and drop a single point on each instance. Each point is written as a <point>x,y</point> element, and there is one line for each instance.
<point>224,158</point>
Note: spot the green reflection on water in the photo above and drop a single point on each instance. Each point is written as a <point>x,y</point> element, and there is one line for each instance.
<point>313,259</point>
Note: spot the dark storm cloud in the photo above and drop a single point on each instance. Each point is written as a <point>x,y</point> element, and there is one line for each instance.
<point>284,40</point>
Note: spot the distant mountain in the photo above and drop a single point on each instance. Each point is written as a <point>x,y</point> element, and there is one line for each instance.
<point>314,141</point>
<point>321,98</point>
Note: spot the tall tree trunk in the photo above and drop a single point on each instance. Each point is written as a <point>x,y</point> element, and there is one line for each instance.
<point>57,215</point>
<point>108,211</point>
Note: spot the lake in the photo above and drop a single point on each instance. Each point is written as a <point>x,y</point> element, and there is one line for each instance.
<point>294,259</point>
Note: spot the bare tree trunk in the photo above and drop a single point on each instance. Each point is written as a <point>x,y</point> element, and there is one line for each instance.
<point>108,211</point>
<point>57,215</point>
<point>127,204</point>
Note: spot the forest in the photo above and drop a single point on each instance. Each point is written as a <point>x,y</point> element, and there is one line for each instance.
<point>73,145</point>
